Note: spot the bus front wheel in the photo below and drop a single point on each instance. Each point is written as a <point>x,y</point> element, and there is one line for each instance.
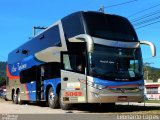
<point>53,100</point>
<point>64,106</point>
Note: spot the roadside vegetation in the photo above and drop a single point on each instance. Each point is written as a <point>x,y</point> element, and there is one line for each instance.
<point>152,101</point>
<point>2,72</point>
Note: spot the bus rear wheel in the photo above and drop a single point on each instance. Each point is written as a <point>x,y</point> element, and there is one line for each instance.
<point>15,98</point>
<point>53,100</point>
<point>19,98</point>
<point>64,106</point>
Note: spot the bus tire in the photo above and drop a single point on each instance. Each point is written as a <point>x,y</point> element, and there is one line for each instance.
<point>6,99</point>
<point>64,106</point>
<point>15,98</point>
<point>53,100</point>
<point>19,98</point>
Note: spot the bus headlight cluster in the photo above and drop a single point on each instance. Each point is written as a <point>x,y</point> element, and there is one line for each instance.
<point>97,86</point>
<point>141,87</point>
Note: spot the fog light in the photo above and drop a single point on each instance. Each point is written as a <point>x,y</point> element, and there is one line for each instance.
<point>95,94</point>
<point>141,87</point>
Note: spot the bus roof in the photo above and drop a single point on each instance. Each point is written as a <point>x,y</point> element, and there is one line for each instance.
<point>29,45</point>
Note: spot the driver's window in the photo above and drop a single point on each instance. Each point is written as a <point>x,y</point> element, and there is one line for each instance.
<point>73,62</point>
<point>66,62</point>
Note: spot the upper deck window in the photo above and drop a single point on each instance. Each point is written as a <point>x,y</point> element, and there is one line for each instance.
<point>72,26</point>
<point>48,38</point>
<point>109,27</point>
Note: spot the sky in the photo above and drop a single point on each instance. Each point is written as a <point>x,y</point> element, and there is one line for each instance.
<point>17,17</point>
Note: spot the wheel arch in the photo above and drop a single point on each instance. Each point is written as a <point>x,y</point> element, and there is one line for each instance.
<point>17,90</point>
<point>47,90</point>
<point>13,90</point>
<point>58,88</point>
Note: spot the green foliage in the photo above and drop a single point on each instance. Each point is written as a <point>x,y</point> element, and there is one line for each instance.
<point>2,71</point>
<point>152,101</point>
<point>152,73</point>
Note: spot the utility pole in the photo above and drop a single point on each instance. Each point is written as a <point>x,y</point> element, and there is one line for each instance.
<point>102,9</point>
<point>147,74</point>
<point>147,71</point>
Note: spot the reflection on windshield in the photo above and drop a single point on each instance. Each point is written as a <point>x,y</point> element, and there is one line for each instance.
<point>109,27</point>
<point>114,63</point>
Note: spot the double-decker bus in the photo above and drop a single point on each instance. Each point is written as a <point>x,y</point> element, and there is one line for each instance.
<point>86,57</point>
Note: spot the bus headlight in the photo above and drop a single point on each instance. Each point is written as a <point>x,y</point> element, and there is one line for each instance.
<point>141,87</point>
<point>97,86</point>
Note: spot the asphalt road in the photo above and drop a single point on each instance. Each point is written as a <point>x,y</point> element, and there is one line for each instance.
<point>31,111</point>
<point>141,104</point>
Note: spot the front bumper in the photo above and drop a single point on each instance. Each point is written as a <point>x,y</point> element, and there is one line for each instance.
<point>106,96</point>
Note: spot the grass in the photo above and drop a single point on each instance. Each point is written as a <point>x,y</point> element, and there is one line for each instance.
<point>152,101</point>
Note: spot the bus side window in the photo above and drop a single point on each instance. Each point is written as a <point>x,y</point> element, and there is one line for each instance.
<point>51,70</point>
<point>66,62</point>
<point>72,26</point>
<point>28,75</point>
<point>73,63</point>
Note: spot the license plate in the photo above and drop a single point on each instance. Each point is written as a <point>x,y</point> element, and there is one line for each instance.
<point>122,98</point>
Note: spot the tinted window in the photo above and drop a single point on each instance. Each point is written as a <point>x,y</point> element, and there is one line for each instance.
<point>49,38</point>
<point>152,90</point>
<point>51,70</point>
<point>54,34</point>
<point>28,75</point>
<point>109,27</point>
<point>120,64</point>
<point>72,26</point>
<point>74,62</point>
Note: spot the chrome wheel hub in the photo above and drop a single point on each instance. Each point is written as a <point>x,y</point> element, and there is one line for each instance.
<point>51,96</point>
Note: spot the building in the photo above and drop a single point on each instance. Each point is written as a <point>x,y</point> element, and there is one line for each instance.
<point>152,90</point>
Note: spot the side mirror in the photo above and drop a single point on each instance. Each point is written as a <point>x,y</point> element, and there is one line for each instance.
<point>84,38</point>
<point>152,46</point>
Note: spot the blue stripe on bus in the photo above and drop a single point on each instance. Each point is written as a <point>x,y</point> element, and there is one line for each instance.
<point>53,82</point>
<point>28,62</point>
<point>31,87</point>
<point>115,83</point>
<point>30,90</point>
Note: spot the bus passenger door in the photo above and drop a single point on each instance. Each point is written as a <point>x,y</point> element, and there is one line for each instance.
<point>28,79</point>
<point>73,78</point>
<point>32,90</point>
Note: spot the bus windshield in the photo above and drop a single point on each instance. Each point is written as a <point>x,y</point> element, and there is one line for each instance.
<point>110,27</point>
<point>119,64</point>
